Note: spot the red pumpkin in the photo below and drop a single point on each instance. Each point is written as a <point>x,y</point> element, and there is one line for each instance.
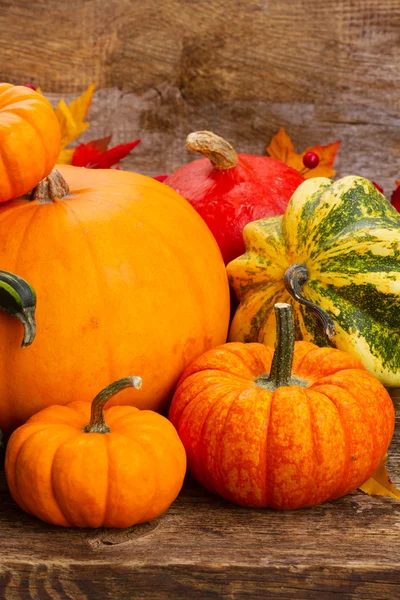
<point>126,274</point>
<point>229,190</point>
<point>284,429</point>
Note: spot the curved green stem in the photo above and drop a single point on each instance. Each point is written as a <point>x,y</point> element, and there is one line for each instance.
<point>282,361</point>
<point>18,298</point>
<point>97,423</point>
<point>295,277</point>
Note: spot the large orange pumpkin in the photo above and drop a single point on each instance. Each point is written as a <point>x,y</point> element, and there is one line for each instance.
<point>287,429</point>
<point>29,140</point>
<point>127,275</point>
<point>115,469</point>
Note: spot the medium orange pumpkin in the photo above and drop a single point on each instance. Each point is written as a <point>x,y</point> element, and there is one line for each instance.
<point>125,467</point>
<point>261,434</point>
<point>126,274</point>
<point>30,140</point>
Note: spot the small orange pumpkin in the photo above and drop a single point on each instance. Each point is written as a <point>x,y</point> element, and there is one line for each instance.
<point>30,140</point>
<point>260,435</point>
<point>126,272</point>
<point>115,474</point>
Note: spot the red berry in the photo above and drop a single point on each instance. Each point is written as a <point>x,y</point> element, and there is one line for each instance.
<point>378,187</point>
<point>29,85</point>
<point>311,160</point>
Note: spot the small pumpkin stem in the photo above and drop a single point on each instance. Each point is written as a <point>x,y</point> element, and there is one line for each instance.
<point>295,277</point>
<point>97,423</point>
<point>51,187</point>
<point>18,298</point>
<point>221,154</point>
<point>282,362</point>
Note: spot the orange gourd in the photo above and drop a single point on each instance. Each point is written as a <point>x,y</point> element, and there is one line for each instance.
<point>287,429</point>
<point>72,468</point>
<point>126,274</point>
<point>30,140</point>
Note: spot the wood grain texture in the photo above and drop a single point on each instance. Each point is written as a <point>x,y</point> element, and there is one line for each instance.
<point>204,547</point>
<point>324,71</point>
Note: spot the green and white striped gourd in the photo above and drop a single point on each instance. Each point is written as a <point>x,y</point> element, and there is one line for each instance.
<point>335,255</point>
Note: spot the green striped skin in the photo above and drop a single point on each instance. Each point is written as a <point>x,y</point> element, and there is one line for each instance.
<point>348,236</point>
<point>18,298</point>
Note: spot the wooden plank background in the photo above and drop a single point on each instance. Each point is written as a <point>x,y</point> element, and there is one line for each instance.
<point>243,68</point>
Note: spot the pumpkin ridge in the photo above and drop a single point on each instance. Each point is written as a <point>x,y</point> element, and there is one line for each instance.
<point>107,475</point>
<point>55,499</point>
<point>264,448</point>
<point>15,471</point>
<point>313,436</point>
<point>25,116</point>
<point>340,480</point>
<point>203,464</point>
<point>59,496</point>
<point>219,442</point>
<point>53,489</point>
<point>372,430</point>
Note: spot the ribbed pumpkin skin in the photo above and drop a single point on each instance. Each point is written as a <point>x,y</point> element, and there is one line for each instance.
<point>287,449</point>
<point>347,234</point>
<point>29,140</point>
<point>67,477</point>
<point>128,279</point>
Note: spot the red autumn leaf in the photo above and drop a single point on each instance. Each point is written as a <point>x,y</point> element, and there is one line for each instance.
<point>87,154</point>
<point>114,155</point>
<point>94,155</point>
<point>395,197</point>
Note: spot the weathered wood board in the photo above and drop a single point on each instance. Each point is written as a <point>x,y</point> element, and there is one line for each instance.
<point>324,71</point>
<point>204,547</point>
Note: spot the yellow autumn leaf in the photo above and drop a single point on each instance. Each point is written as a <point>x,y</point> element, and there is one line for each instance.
<point>282,148</point>
<point>65,157</point>
<point>72,117</point>
<point>379,484</point>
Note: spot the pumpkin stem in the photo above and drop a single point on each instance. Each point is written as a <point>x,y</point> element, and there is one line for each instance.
<point>221,154</point>
<point>51,187</point>
<point>282,362</point>
<point>18,298</point>
<point>295,277</point>
<point>97,424</point>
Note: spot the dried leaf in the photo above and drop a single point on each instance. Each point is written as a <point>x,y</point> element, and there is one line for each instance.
<point>327,155</point>
<point>93,156</point>
<point>379,484</point>
<point>71,117</point>
<point>281,147</point>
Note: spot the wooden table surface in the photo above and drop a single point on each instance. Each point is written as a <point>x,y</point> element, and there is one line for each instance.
<point>204,547</point>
